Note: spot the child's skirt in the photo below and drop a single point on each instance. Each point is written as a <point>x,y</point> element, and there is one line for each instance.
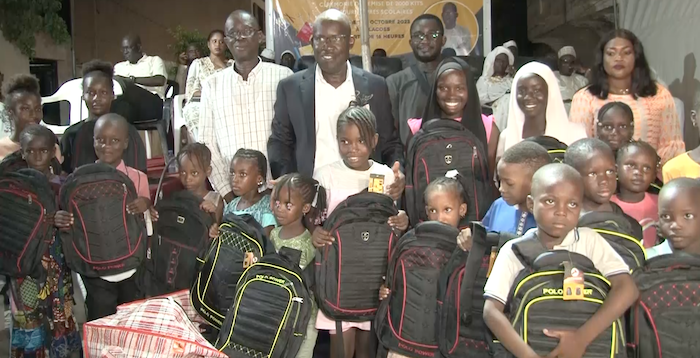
<point>326,324</point>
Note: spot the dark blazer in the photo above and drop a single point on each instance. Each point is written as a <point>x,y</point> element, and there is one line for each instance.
<point>292,144</point>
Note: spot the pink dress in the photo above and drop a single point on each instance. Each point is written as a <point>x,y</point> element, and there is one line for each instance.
<point>414,125</point>
<point>646,212</point>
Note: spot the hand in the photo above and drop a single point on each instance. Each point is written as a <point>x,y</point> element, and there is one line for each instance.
<point>399,221</point>
<point>182,59</point>
<point>321,238</point>
<point>396,188</point>
<point>208,207</point>
<point>384,292</point>
<point>214,231</point>
<point>272,183</point>
<point>63,219</point>
<point>464,239</point>
<point>228,197</point>
<point>570,345</point>
<point>510,70</point>
<point>154,213</point>
<point>138,206</point>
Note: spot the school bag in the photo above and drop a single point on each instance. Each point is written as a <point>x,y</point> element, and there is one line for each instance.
<point>84,148</point>
<point>555,148</point>
<point>621,231</point>
<point>536,300</point>
<point>407,320</point>
<point>104,239</point>
<point>461,330</point>
<point>14,162</point>
<point>438,147</point>
<point>666,317</point>
<point>241,243</point>
<point>271,310</point>
<point>181,234</point>
<point>25,233</point>
<point>349,272</point>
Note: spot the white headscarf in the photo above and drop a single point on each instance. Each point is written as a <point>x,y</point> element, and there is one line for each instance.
<point>558,125</point>
<point>491,58</point>
<point>510,43</point>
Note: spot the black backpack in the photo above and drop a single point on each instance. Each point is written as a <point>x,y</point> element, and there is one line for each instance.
<point>555,147</point>
<point>84,148</point>
<point>462,327</point>
<point>240,244</point>
<point>407,321</point>
<point>536,301</point>
<point>25,234</point>
<point>621,231</point>
<point>667,315</point>
<point>271,310</point>
<point>15,162</point>
<point>349,272</point>
<point>181,235</point>
<point>438,147</point>
<point>104,239</point>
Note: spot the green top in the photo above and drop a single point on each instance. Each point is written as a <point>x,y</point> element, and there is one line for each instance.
<point>301,243</point>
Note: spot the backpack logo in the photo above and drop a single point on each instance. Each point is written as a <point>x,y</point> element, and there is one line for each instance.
<point>180,220</point>
<point>365,236</point>
<point>448,159</point>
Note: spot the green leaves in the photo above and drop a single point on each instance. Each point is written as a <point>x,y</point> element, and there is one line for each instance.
<point>21,20</point>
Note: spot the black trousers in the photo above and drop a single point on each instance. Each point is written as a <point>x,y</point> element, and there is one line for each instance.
<point>103,297</point>
<point>137,104</point>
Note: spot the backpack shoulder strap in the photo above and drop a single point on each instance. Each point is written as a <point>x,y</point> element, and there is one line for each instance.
<point>528,248</point>
<point>471,269</point>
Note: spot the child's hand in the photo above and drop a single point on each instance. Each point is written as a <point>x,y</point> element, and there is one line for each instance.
<point>321,238</point>
<point>384,292</point>
<point>395,190</point>
<point>570,344</point>
<point>138,206</point>
<point>63,219</point>
<point>208,207</point>
<point>399,221</point>
<point>154,213</point>
<point>464,239</point>
<point>214,231</point>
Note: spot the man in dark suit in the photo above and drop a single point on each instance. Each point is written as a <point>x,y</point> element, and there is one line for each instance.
<point>309,102</point>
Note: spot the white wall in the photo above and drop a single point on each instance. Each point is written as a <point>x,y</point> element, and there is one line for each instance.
<point>13,61</point>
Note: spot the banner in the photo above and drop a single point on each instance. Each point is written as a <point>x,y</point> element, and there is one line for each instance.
<point>389,24</point>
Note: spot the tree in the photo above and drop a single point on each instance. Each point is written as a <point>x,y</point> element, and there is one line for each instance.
<point>21,20</point>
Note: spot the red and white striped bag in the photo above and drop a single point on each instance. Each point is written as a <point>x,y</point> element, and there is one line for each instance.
<point>181,297</point>
<point>156,328</point>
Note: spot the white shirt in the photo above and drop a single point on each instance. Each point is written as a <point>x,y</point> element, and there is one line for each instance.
<point>459,39</point>
<point>237,114</point>
<point>330,102</point>
<point>589,244</point>
<point>147,66</point>
<point>569,85</point>
<point>341,181</point>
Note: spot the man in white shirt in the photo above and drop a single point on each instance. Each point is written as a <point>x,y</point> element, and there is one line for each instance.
<point>237,104</point>
<point>569,81</point>
<point>457,37</point>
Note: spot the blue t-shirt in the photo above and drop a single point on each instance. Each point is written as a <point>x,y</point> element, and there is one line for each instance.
<point>502,217</point>
<point>260,211</point>
<point>663,248</point>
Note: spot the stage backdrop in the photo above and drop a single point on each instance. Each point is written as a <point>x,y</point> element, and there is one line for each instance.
<point>389,24</point>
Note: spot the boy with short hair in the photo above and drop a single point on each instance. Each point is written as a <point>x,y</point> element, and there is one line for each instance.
<point>555,201</point>
<point>594,160</point>
<point>111,138</point>
<point>515,170</point>
<point>679,218</point>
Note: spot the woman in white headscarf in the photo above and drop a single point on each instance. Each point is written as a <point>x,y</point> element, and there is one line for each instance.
<point>536,109</point>
<point>495,83</point>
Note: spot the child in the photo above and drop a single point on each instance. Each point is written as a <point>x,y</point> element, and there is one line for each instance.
<point>615,125</point>
<point>594,161</point>
<point>295,195</point>
<point>107,292</point>
<point>248,178</point>
<point>637,162</point>
<point>30,335</point>
<point>686,165</point>
<point>515,170</point>
<point>555,201</point>
<point>194,161</point>
<point>357,139</point>
<point>679,218</point>
<point>453,87</point>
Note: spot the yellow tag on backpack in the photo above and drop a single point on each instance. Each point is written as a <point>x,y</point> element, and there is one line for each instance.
<point>376,183</point>
<point>573,283</point>
<point>492,260</point>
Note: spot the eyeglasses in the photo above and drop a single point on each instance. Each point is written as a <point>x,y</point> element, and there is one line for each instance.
<point>419,36</point>
<point>240,35</point>
<point>332,40</point>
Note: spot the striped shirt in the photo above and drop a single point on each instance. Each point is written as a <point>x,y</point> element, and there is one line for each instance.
<point>237,114</point>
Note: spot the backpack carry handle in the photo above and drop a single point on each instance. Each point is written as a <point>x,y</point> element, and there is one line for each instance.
<point>528,248</point>
<point>159,190</point>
